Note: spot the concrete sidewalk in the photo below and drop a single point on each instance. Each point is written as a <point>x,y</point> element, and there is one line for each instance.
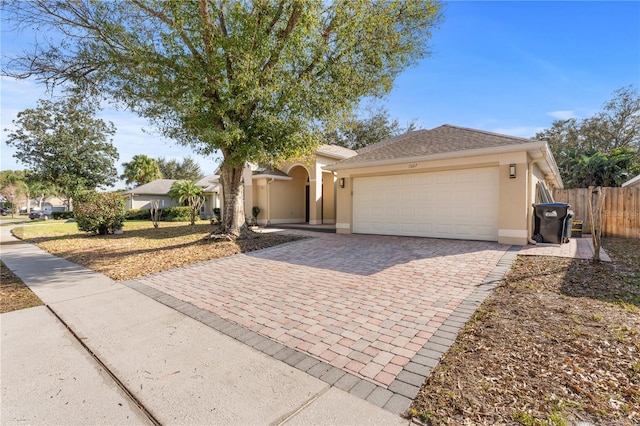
<point>178,369</point>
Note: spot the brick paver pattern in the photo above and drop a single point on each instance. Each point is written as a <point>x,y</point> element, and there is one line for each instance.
<point>364,304</point>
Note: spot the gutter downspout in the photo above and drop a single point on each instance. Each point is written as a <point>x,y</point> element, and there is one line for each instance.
<point>530,190</point>
<point>269,182</point>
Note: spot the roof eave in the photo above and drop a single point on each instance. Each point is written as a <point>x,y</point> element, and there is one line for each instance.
<point>441,156</point>
<point>268,176</point>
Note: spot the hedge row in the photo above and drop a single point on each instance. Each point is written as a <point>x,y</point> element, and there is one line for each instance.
<point>62,215</point>
<point>168,214</point>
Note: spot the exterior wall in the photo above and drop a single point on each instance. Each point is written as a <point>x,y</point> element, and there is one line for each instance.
<point>512,220</point>
<point>211,201</point>
<point>329,184</point>
<point>512,216</point>
<point>142,201</point>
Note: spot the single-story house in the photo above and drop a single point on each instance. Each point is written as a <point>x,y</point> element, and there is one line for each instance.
<point>140,197</point>
<point>211,190</point>
<point>632,183</point>
<point>448,182</point>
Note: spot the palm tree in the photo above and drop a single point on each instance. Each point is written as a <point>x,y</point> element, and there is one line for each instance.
<point>140,170</point>
<point>184,191</point>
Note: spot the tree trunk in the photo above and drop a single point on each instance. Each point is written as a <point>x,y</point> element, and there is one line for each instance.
<point>595,218</point>
<point>232,199</point>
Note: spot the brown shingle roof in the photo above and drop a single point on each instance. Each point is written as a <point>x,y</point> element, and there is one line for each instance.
<point>441,140</point>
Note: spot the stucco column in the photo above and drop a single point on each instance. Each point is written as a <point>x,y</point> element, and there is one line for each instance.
<point>247,176</point>
<point>315,196</point>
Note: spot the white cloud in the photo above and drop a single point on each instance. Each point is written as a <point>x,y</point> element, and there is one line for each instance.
<point>562,114</point>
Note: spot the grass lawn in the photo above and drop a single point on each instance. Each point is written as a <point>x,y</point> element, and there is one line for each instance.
<point>141,249</point>
<point>558,342</point>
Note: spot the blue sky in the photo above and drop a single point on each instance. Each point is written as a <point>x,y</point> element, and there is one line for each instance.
<point>507,67</point>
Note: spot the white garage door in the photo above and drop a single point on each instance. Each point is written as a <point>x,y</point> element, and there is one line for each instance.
<point>460,204</point>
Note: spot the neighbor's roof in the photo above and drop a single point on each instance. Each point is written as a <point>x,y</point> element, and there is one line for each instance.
<point>209,183</point>
<point>156,187</point>
<point>635,181</point>
<point>335,151</point>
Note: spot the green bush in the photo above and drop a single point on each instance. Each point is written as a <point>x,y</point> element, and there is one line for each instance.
<point>177,214</point>
<point>138,214</point>
<point>99,212</point>
<point>62,215</point>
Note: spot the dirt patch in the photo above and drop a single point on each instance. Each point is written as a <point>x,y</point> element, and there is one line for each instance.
<point>558,342</point>
<point>14,294</point>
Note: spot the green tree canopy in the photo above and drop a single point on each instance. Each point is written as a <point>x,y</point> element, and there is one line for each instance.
<point>255,80</point>
<point>187,169</point>
<point>140,170</point>
<point>355,133</point>
<point>63,144</point>
<point>601,150</point>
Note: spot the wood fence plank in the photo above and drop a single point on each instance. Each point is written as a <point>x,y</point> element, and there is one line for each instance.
<point>621,216</point>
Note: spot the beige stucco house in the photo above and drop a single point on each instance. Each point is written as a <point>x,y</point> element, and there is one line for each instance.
<point>448,182</point>
<point>302,191</point>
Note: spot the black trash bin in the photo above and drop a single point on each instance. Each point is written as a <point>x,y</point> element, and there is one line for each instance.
<point>552,222</point>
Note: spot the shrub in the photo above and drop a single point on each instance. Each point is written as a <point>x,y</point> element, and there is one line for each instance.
<point>138,214</point>
<point>177,214</point>
<point>62,215</point>
<point>99,212</point>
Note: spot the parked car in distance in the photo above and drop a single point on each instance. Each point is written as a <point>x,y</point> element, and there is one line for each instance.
<point>4,211</point>
<point>39,214</point>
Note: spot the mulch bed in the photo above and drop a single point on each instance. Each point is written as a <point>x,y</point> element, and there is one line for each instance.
<point>558,342</point>
<point>145,251</point>
<point>14,294</point>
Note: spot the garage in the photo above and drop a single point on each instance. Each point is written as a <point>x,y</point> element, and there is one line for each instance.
<point>461,204</point>
<point>447,182</point>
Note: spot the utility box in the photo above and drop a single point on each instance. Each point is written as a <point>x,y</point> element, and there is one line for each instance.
<point>552,222</point>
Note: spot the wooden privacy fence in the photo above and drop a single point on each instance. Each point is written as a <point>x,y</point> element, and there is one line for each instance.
<point>621,213</point>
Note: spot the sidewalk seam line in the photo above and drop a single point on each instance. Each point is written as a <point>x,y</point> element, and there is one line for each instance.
<point>298,410</point>
<point>119,383</point>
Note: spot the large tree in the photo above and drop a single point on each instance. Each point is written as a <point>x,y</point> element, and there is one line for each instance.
<point>356,132</point>
<point>187,169</point>
<point>63,144</point>
<point>140,170</point>
<point>600,150</point>
<point>255,80</point>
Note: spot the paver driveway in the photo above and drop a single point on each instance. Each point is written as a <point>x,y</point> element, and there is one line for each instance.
<point>366,305</point>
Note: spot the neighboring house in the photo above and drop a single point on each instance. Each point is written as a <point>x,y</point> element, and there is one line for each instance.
<point>632,183</point>
<point>140,197</point>
<point>211,190</point>
<point>54,204</point>
<point>448,182</point>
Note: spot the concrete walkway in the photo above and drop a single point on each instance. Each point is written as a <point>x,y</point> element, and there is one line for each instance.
<point>576,248</point>
<point>120,342</point>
